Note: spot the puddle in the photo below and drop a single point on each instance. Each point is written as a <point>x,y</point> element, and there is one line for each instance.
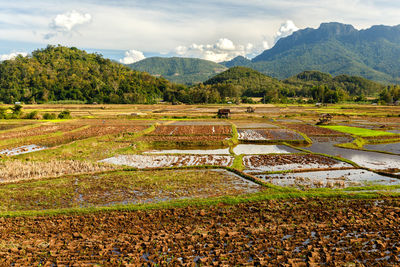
<point>331,179</point>
<point>248,149</point>
<point>22,150</point>
<point>160,161</point>
<point>372,160</point>
<point>394,131</point>
<point>285,162</point>
<point>224,151</point>
<point>393,147</point>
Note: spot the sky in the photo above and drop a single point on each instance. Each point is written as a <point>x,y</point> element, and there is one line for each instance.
<point>131,30</point>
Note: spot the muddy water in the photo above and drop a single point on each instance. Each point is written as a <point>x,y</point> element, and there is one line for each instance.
<point>332,179</point>
<point>21,150</point>
<point>231,184</point>
<point>372,160</point>
<point>393,148</point>
<point>224,151</point>
<point>262,149</point>
<point>160,161</point>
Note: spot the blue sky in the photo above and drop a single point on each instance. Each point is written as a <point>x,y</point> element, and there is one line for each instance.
<point>130,30</point>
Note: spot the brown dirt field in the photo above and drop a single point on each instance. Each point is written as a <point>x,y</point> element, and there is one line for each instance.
<point>193,130</point>
<point>200,138</point>
<point>311,130</point>
<point>297,232</point>
<point>41,130</point>
<point>92,131</point>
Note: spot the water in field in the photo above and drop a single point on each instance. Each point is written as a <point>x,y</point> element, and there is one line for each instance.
<point>223,151</point>
<point>21,150</point>
<point>372,160</point>
<point>393,147</point>
<point>162,161</point>
<point>331,179</point>
<point>248,149</point>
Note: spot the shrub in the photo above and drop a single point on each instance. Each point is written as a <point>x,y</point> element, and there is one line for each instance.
<point>66,114</point>
<point>49,116</point>
<point>32,115</point>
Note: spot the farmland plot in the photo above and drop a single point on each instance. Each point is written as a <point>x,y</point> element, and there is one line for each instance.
<point>285,162</point>
<point>160,161</point>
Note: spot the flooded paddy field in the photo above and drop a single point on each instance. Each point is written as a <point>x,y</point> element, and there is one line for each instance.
<point>287,162</point>
<point>268,134</point>
<point>111,188</point>
<point>252,149</point>
<point>21,150</point>
<point>366,159</point>
<point>163,161</point>
<point>329,179</point>
<point>391,147</point>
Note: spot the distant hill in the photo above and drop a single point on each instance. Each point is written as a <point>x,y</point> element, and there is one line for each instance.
<point>353,85</point>
<point>336,48</point>
<point>62,73</point>
<point>179,70</point>
<point>252,82</point>
<point>237,61</point>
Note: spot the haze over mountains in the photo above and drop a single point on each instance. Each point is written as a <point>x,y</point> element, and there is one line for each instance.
<point>333,48</point>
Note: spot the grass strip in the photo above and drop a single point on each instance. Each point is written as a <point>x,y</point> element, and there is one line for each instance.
<point>361,132</point>
<point>228,200</point>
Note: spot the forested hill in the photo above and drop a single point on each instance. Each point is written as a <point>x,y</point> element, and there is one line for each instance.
<point>336,48</point>
<point>251,82</point>
<point>353,85</point>
<point>62,73</point>
<point>180,70</point>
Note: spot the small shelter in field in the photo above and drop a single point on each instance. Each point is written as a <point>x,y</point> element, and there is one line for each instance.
<point>224,113</point>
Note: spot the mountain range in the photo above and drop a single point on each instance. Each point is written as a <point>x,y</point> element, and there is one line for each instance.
<point>334,48</point>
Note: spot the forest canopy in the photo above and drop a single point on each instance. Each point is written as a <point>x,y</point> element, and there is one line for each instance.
<point>61,73</point>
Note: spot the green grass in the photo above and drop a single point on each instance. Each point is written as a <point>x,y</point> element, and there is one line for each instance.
<point>108,188</point>
<point>362,132</point>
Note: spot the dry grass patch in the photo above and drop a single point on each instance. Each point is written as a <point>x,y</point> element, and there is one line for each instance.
<point>16,170</point>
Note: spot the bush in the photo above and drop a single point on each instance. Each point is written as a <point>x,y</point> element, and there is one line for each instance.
<point>49,116</point>
<point>32,115</point>
<point>66,114</point>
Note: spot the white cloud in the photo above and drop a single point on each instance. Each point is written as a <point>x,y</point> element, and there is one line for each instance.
<point>132,56</point>
<point>286,29</point>
<point>12,55</point>
<point>222,50</point>
<point>67,22</point>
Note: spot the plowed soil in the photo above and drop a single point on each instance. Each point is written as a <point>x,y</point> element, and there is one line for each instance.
<point>41,130</point>
<point>298,232</point>
<point>199,138</point>
<point>91,131</point>
<point>312,130</point>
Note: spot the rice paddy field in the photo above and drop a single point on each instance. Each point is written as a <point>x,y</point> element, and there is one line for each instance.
<point>174,185</point>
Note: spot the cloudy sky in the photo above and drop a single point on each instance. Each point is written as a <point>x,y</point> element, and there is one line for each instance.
<point>130,30</point>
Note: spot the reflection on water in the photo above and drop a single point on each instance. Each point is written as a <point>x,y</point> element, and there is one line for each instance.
<point>262,149</point>
<point>372,160</point>
<point>336,179</point>
<point>224,151</point>
<point>393,147</point>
